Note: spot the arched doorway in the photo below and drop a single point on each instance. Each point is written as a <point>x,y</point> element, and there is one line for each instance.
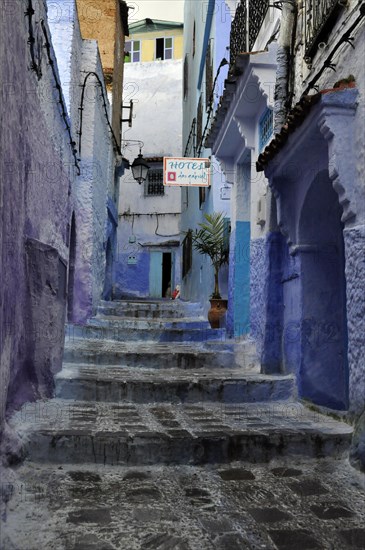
<point>71,271</point>
<point>108,283</point>
<point>323,376</point>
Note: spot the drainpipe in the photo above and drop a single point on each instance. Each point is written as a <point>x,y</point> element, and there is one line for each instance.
<point>285,58</point>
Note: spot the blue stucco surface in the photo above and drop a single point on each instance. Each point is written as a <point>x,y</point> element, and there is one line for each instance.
<point>135,278</point>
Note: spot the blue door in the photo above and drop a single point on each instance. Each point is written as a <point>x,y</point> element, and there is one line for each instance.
<point>156,275</point>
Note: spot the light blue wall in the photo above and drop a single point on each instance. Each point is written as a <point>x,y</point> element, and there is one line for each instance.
<point>212,20</point>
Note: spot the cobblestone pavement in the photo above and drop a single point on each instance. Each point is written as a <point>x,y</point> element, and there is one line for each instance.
<point>293,505</point>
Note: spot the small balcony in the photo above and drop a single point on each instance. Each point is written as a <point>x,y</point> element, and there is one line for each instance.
<point>248,20</point>
<point>320,17</point>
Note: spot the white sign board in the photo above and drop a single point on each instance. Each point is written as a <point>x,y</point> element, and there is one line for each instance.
<point>183,171</point>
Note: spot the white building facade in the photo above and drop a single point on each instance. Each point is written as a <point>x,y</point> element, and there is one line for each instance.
<point>148,258</point>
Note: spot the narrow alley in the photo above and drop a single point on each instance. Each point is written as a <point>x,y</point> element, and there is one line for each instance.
<point>182,297</point>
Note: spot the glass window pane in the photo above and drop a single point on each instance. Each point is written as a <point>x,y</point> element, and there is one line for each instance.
<point>168,43</point>
<point>127,46</point>
<point>168,54</point>
<point>136,45</point>
<point>136,56</point>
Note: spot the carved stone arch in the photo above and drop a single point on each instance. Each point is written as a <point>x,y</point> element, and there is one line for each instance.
<point>336,125</point>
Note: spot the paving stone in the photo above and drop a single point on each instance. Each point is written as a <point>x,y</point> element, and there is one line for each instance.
<point>269,515</point>
<point>286,472</point>
<point>308,487</point>
<point>143,494</point>
<point>231,541</point>
<point>236,474</point>
<point>289,539</point>
<point>216,525</point>
<point>331,511</point>
<point>181,505</point>
<point>88,515</point>
<point>90,542</point>
<point>85,477</point>
<point>136,475</point>
<point>354,538</point>
<point>164,541</point>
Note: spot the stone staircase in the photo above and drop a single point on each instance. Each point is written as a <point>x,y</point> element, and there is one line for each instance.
<point>149,383</point>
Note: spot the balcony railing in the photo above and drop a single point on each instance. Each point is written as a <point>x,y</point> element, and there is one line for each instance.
<point>238,39</point>
<point>320,16</point>
<point>257,12</point>
<point>246,25</point>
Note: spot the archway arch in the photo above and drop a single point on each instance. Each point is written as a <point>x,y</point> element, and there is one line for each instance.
<point>323,374</point>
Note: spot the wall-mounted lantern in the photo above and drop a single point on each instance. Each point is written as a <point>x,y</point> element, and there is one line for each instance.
<point>140,169</point>
<point>139,166</point>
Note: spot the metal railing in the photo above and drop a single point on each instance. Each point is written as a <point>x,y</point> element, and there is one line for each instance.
<point>246,25</point>
<point>257,11</point>
<point>238,38</point>
<point>320,16</point>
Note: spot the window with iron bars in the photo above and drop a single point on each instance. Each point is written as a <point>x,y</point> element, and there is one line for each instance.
<point>154,184</point>
<point>320,17</point>
<point>266,127</point>
<point>186,76</point>
<point>246,25</point>
<point>208,76</point>
<point>199,123</point>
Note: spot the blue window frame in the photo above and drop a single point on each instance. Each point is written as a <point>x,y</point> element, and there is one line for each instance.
<point>266,127</point>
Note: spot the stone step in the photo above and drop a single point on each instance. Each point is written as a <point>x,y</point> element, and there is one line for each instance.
<point>150,310</point>
<point>184,323</point>
<point>96,383</point>
<point>154,354</point>
<point>63,431</point>
<point>123,334</point>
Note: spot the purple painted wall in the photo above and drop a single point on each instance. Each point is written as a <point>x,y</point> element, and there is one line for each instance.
<point>37,167</point>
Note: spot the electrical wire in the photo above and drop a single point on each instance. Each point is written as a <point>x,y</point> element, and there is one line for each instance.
<point>81,109</point>
<point>36,67</point>
<point>346,38</point>
<point>159,234</point>
<point>60,95</point>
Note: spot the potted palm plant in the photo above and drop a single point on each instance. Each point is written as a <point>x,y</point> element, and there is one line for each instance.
<point>209,240</point>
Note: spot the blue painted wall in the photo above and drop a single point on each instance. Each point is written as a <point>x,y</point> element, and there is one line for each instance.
<point>134,278</point>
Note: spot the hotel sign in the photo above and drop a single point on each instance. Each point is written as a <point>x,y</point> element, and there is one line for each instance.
<point>183,171</point>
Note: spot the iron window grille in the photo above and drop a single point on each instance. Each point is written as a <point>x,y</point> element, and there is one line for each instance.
<point>320,17</point>
<point>246,25</point>
<point>238,37</point>
<point>186,76</point>
<point>187,253</point>
<point>199,123</point>
<point>208,76</point>
<point>154,184</point>
<point>266,127</point>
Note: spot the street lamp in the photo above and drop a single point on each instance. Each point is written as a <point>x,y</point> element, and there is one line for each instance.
<point>140,168</point>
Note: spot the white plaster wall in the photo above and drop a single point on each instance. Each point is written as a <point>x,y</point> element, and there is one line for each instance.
<point>98,163</point>
<point>156,90</point>
<point>97,156</point>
